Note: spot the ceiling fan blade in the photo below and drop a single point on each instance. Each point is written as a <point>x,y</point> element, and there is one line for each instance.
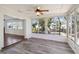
<point>44,10</point>
<point>38,10</point>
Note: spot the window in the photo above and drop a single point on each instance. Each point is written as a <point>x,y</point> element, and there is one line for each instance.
<point>57,25</point>
<point>38,26</point>
<point>77,28</point>
<point>77,22</point>
<point>53,25</point>
<point>14,25</point>
<point>35,26</point>
<point>20,25</point>
<point>70,27</point>
<point>41,26</point>
<point>73,28</point>
<point>63,25</point>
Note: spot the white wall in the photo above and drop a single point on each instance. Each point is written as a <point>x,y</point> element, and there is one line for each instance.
<point>51,37</point>
<point>28,28</point>
<point>15,32</point>
<point>1,32</point>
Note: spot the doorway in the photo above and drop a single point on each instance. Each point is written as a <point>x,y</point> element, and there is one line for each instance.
<point>13,30</point>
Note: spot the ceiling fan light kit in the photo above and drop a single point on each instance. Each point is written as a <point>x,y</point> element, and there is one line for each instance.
<point>37,13</point>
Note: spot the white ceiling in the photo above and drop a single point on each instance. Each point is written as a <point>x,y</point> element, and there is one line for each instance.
<point>28,10</point>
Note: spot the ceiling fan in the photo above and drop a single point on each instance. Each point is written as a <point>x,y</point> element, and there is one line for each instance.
<point>40,11</point>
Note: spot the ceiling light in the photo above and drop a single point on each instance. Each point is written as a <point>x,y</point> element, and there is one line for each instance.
<point>38,13</point>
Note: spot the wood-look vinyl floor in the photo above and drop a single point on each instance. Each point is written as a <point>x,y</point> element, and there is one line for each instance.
<point>38,46</point>
<point>12,39</point>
